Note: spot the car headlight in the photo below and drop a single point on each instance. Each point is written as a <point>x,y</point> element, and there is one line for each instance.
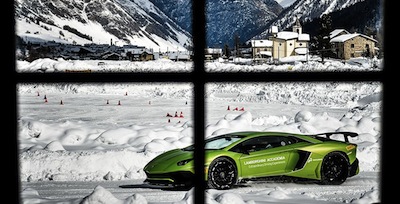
<point>183,162</point>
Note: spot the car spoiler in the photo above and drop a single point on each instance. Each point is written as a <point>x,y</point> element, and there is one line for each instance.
<point>346,135</point>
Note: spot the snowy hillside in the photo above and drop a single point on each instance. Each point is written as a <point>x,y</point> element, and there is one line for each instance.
<point>225,18</point>
<point>285,3</point>
<point>307,10</point>
<point>120,22</point>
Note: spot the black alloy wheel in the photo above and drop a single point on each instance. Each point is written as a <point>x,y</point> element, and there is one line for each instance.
<point>335,169</point>
<point>222,174</point>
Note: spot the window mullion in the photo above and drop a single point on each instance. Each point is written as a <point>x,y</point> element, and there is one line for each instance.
<point>199,35</point>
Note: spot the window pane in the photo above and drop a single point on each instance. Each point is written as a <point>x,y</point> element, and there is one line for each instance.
<point>269,35</point>
<point>98,36</point>
<point>295,108</point>
<point>74,137</point>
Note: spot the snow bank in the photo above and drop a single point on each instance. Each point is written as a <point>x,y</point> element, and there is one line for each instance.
<point>313,63</point>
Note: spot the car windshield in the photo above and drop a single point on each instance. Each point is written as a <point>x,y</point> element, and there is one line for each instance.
<point>220,142</point>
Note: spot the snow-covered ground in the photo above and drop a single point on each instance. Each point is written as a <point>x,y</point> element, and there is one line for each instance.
<point>292,63</point>
<point>76,136</point>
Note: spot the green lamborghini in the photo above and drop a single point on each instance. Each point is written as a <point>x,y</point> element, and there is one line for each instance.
<point>327,158</point>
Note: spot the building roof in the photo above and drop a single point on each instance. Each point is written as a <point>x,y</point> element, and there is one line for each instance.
<point>304,37</point>
<point>287,35</point>
<point>345,37</point>
<point>336,32</point>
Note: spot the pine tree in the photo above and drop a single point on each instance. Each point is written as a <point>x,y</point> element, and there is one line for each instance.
<point>322,39</point>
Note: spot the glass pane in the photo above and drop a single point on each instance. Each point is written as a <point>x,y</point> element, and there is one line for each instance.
<point>93,141</point>
<point>103,36</point>
<point>269,35</point>
<point>266,158</point>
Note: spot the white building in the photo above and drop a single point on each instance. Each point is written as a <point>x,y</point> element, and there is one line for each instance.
<point>282,44</point>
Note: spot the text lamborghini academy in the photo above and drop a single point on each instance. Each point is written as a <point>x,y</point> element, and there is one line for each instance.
<point>235,157</point>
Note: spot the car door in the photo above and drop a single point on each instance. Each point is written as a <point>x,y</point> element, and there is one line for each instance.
<point>263,156</point>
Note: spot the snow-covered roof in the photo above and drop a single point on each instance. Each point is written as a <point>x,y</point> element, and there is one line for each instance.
<point>336,32</point>
<point>214,50</point>
<point>301,50</point>
<point>304,37</point>
<point>261,43</point>
<point>345,37</point>
<point>286,35</point>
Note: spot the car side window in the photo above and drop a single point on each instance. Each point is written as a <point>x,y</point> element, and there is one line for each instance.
<point>256,144</point>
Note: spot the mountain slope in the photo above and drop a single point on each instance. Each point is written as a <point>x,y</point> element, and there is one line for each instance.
<point>363,17</point>
<point>225,18</point>
<point>306,10</point>
<point>121,22</point>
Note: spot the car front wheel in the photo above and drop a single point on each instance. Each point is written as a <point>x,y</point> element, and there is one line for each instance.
<point>335,169</point>
<point>222,174</point>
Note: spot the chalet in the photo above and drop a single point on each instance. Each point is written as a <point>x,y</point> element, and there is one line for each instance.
<point>111,56</point>
<point>337,32</point>
<point>137,53</point>
<point>351,45</point>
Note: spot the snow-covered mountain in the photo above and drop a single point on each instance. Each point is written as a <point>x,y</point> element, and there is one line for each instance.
<point>285,3</point>
<point>306,10</point>
<point>225,18</point>
<point>161,24</point>
<point>120,22</point>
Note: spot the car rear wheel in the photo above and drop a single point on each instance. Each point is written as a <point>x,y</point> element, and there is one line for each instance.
<point>335,169</point>
<point>222,174</point>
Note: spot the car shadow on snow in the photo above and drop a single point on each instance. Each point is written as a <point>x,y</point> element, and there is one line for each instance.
<point>165,188</point>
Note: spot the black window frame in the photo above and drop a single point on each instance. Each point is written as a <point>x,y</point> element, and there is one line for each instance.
<point>199,78</point>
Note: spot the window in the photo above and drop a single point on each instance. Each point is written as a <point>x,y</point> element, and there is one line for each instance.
<point>199,78</point>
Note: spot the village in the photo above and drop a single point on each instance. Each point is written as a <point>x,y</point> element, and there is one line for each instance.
<point>277,46</point>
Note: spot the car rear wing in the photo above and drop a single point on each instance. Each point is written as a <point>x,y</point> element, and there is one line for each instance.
<point>346,135</point>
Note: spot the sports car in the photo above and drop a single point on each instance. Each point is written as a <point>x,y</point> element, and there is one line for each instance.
<point>326,158</point>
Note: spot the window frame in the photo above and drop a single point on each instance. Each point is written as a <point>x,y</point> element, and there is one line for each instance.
<point>198,77</point>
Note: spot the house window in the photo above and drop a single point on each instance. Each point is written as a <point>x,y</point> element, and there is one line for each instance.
<point>352,45</point>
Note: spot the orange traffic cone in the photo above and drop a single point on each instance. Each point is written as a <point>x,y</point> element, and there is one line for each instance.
<point>229,108</point>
